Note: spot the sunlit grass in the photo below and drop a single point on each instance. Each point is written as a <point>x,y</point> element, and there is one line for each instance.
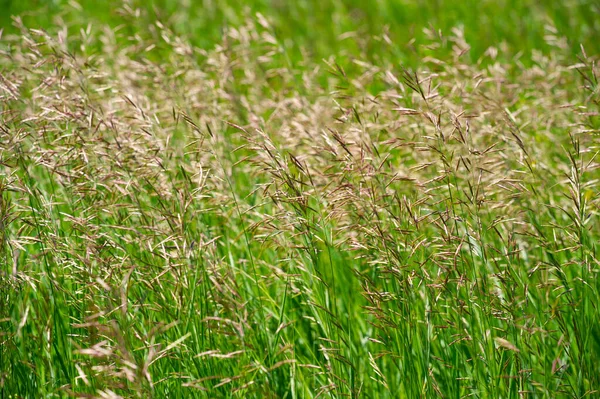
<point>231,221</point>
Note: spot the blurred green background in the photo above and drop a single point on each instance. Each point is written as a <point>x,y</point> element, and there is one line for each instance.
<point>316,25</point>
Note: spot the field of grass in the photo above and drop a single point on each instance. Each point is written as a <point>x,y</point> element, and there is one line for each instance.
<point>311,199</point>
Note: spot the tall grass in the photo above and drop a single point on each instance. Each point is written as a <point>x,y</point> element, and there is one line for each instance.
<point>184,222</point>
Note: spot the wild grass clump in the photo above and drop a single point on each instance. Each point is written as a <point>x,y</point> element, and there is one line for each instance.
<point>179,222</point>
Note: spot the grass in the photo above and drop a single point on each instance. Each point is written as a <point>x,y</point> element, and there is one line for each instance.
<point>262,208</point>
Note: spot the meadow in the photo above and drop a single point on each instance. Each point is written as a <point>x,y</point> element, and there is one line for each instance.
<point>311,199</point>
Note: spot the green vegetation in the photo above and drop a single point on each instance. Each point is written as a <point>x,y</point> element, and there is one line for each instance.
<point>299,199</point>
